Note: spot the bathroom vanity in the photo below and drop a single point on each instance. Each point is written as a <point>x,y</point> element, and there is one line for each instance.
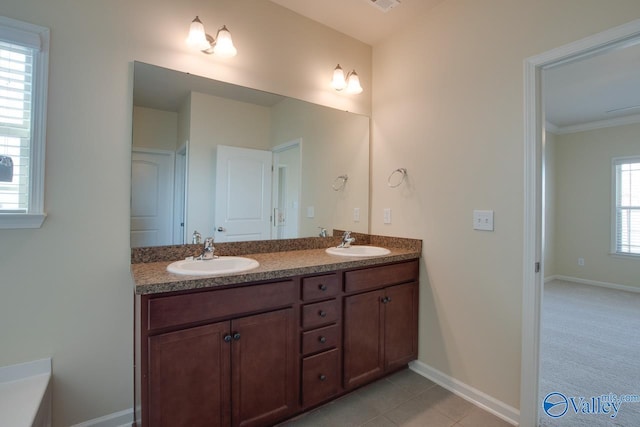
<point>256,348</point>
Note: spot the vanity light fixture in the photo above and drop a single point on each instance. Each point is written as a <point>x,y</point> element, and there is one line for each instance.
<point>350,84</point>
<point>221,46</point>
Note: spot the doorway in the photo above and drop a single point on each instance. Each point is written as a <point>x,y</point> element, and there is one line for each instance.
<point>534,222</point>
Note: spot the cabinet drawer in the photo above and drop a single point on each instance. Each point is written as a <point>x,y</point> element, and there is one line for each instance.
<point>320,339</point>
<point>188,308</point>
<point>320,377</point>
<point>320,313</point>
<point>377,277</point>
<point>317,287</point>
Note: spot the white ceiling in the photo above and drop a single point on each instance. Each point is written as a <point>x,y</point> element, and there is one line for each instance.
<point>358,18</point>
<point>576,93</point>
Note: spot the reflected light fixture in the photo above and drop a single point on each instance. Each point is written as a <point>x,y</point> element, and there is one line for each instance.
<point>221,46</point>
<point>350,83</point>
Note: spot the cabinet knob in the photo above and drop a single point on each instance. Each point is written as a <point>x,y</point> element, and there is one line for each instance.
<point>322,377</point>
<point>322,339</point>
<point>236,336</point>
<point>322,313</point>
<point>384,300</point>
<point>322,287</point>
<point>227,338</point>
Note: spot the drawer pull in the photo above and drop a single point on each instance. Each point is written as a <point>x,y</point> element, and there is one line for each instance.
<point>227,338</point>
<point>322,287</point>
<point>236,336</point>
<point>322,339</point>
<point>322,313</point>
<point>322,377</point>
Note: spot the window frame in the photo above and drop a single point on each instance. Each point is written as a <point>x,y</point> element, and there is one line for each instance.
<point>34,36</point>
<point>615,161</point>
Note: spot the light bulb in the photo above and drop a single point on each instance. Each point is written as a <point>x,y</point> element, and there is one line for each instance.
<point>338,81</point>
<point>197,37</point>
<point>353,83</point>
<point>223,46</point>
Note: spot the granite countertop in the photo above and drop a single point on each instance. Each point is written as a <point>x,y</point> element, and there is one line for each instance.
<point>153,277</point>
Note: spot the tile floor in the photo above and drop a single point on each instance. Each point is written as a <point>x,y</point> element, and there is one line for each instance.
<point>402,399</point>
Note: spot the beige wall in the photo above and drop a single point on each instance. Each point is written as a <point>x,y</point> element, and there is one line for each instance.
<point>583,204</point>
<point>218,121</point>
<point>448,106</point>
<point>334,143</point>
<point>76,304</point>
<point>155,129</point>
<point>550,183</point>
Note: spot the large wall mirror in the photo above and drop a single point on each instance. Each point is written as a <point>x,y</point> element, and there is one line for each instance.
<point>240,164</point>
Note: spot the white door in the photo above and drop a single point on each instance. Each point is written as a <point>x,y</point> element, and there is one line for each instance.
<point>151,198</point>
<point>243,194</point>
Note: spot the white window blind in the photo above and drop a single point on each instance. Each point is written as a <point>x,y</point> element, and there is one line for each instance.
<point>24,71</point>
<point>627,205</point>
<point>16,82</point>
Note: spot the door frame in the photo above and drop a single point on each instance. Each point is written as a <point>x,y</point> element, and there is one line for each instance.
<point>275,182</point>
<point>534,129</point>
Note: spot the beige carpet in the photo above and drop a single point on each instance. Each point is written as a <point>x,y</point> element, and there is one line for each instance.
<point>590,346</point>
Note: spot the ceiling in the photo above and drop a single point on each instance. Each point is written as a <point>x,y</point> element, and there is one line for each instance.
<point>600,88</point>
<point>359,18</point>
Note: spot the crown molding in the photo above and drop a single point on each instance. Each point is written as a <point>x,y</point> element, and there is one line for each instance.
<point>598,124</point>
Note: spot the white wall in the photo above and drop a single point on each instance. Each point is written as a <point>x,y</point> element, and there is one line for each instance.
<point>583,204</point>
<point>448,106</point>
<point>76,304</point>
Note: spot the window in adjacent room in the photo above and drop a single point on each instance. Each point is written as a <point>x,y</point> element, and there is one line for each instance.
<point>626,209</point>
<point>24,63</point>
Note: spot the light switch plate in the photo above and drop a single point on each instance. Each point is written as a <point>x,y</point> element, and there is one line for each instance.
<point>483,220</point>
<point>311,212</point>
<point>387,216</point>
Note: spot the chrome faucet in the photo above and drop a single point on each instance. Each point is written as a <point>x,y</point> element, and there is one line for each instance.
<point>208,250</point>
<point>347,240</point>
<point>323,232</point>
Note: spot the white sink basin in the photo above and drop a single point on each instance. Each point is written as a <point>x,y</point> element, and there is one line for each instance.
<point>220,265</point>
<point>359,250</point>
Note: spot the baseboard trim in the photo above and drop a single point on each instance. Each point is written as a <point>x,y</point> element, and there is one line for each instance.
<point>117,419</point>
<point>593,283</point>
<point>465,391</point>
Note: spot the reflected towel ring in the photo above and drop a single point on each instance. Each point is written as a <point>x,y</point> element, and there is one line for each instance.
<point>339,183</point>
<point>401,171</point>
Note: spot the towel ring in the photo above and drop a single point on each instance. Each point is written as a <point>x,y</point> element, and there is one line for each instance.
<point>401,171</point>
<point>339,183</point>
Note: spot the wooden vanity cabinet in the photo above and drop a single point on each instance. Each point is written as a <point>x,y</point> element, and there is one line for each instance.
<point>321,316</point>
<point>380,325</point>
<point>242,371</point>
<point>259,353</point>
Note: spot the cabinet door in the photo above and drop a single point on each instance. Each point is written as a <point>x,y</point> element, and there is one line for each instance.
<point>363,338</point>
<point>401,325</point>
<point>264,377</point>
<point>189,377</point>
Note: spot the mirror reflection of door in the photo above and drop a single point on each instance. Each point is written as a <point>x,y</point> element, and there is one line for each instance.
<point>151,197</point>
<point>244,174</point>
<point>286,190</point>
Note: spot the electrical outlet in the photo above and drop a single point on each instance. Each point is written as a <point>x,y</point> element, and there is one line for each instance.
<point>356,214</point>
<point>483,220</point>
<point>581,262</point>
<point>387,216</point>
<point>311,212</point>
